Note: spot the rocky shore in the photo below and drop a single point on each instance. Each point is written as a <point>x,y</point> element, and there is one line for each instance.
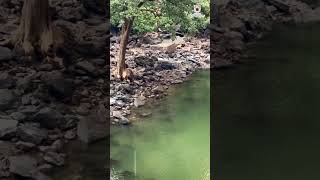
<point>42,106</point>
<point>156,66</point>
<point>237,23</point>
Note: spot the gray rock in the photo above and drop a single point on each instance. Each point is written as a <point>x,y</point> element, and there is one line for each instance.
<point>29,110</point>
<point>25,82</point>
<point>49,118</point>
<point>117,114</point>
<point>139,101</point>
<point>4,166</point>
<point>58,85</point>
<point>124,121</point>
<point>236,45</point>
<point>5,54</point>
<point>45,168</point>
<point>164,65</point>
<point>100,62</point>
<point>6,148</point>
<point>6,81</point>
<point>8,128</point>
<point>71,134</point>
<point>25,146</point>
<point>46,149</point>
<point>31,133</point>
<point>22,165</point>
<point>280,5</point>
<point>70,121</point>
<point>145,61</point>
<point>93,127</point>
<point>18,116</point>
<point>40,176</point>
<point>7,99</point>
<point>87,67</point>
<point>57,145</point>
<point>158,90</point>
<point>54,158</point>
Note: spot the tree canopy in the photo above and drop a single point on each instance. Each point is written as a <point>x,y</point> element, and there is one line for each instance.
<point>164,14</point>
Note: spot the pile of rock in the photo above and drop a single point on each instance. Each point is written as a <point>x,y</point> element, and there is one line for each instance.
<point>43,107</point>
<point>155,70</point>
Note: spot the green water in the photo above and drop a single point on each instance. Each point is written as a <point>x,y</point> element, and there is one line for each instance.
<point>267,113</point>
<point>174,142</point>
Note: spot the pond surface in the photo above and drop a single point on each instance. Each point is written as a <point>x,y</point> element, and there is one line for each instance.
<point>173,143</point>
<point>267,113</point>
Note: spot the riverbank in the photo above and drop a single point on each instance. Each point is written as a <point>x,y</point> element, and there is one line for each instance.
<point>236,24</point>
<point>43,107</point>
<point>155,69</point>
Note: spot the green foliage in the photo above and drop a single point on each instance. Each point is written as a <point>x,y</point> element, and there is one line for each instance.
<point>173,12</point>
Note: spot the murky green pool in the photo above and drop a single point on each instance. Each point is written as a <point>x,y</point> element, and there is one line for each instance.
<point>171,144</point>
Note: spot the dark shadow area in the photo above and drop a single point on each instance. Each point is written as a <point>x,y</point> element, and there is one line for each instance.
<point>54,90</point>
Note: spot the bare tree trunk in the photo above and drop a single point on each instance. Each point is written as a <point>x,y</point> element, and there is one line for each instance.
<point>125,32</point>
<point>35,33</point>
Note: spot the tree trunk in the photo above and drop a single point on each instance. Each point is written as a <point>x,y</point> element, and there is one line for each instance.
<point>125,32</point>
<point>35,34</point>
